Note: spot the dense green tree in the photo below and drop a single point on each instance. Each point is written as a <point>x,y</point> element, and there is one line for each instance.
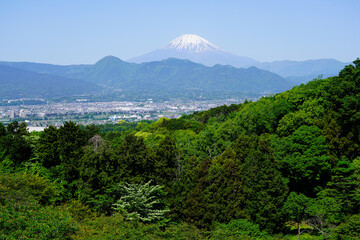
<point>303,159</point>
<point>175,124</point>
<point>343,186</point>
<point>71,140</point>
<point>2,130</point>
<point>14,128</point>
<point>90,131</point>
<point>196,206</point>
<point>264,187</point>
<point>185,141</point>
<point>133,161</point>
<point>356,194</point>
<point>96,186</point>
<point>209,143</point>
<point>167,164</point>
<point>295,209</point>
<point>257,118</point>
<point>17,148</point>
<point>14,143</point>
<point>280,108</point>
<point>220,112</point>
<point>48,147</point>
<point>342,96</point>
<point>324,212</point>
<point>227,200</point>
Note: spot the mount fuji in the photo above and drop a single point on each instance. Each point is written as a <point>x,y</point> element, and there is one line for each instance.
<point>199,50</point>
<point>195,49</point>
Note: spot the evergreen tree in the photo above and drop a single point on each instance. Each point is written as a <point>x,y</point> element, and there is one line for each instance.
<point>264,187</point>
<point>48,147</point>
<point>71,140</point>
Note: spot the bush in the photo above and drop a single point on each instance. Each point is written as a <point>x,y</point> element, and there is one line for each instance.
<point>115,227</point>
<point>238,229</point>
<point>349,230</point>
<point>32,221</point>
<point>22,187</point>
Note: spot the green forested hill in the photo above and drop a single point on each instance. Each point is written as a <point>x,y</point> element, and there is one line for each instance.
<point>257,170</point>
<point>167,78</point>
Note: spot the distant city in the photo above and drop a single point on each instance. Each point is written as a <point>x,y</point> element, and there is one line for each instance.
<point>40,116</point>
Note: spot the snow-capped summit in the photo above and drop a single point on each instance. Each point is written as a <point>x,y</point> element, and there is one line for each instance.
<point>196,49</point>
<point>192,43</point>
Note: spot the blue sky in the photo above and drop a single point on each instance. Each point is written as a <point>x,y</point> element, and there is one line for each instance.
<point>79,31</point>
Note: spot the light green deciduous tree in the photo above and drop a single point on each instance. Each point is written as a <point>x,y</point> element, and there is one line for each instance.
<point>142,202</point>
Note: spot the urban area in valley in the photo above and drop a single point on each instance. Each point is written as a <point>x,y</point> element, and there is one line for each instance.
<point>44,113</point>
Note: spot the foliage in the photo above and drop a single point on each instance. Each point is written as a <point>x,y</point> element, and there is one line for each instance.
<point>349,229</point>
<point>15,148</point>
<point>303,158</point>
<point>48,147</point>
<point>32,221</point>
<point>25,187</point>
<point>114,227</point>
<point>264,188</point>
<point>296,209</point>
<point>238,229</point>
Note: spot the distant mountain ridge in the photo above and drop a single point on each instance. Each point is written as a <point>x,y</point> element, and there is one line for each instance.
<point>170,77</point>
<point>19,83</point>
<point>305,70</point>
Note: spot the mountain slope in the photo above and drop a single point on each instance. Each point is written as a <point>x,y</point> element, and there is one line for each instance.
<point>72,71</point>
<point>108,71</point>
<point>171,77</point>
<point>178,77</point>
<point>196,49</point>
<point>17,83</point>
<point>175,74</point>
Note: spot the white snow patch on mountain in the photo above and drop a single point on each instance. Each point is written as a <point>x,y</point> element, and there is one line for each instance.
<point>192,43</point>
<point>197,49</point>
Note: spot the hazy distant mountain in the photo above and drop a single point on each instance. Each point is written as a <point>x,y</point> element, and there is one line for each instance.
<point>196,49</point>
<point>304,70</point>
<point>59,70</point>
<point>18,83</point>
<point>170,77</point>
<point>103,72</point>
